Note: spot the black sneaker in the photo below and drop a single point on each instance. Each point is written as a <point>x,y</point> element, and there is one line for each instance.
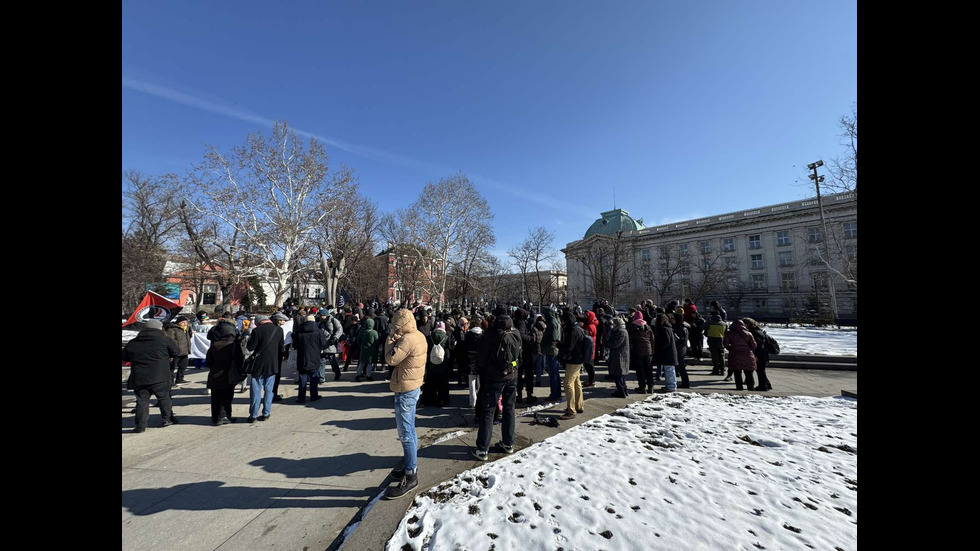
<point>139,429</point>
<point>336,376</point>
<point>408,483</point>
<point>264,417</point>
<point>277,398</point>
<point>357,378</point>
<point>530,400</point>
<point>251,419</point>
<point>370,378</point>
<point>501,447</point>
<point>479,454</point>
<point>398,473</point>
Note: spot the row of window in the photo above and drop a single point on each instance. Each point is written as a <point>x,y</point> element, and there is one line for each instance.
<point>814,235</point>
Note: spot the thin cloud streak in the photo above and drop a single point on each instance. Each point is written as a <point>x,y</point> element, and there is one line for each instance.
<point>367,152</point>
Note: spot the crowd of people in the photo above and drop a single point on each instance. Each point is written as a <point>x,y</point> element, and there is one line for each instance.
<point>500,355</point>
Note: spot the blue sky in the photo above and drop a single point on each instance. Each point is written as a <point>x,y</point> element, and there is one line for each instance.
<point>687,109</point>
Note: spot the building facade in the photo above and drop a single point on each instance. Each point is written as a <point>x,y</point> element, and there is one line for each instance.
<point>776,263</point>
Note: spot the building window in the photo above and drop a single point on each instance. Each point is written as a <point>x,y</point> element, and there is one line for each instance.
<point>787,281</point>
<point>782,238</point>
<point>731,282</point>
<point>683,247</point>
<point>706,264</point>
<point>815,257</point>
<point>850,230</point>
<point>757,261</point>
<point>755,241</point>
<point>705,246</point>
<point>760,305</point>
<point>819,280</point>
<point>645,255</point>
<point>814,235</point>
<point>851,251</point>
<point>785,258</point>
<point>731,263</point>
<point>729,244</point>
<point>789,304</point>
<point>758,281</point>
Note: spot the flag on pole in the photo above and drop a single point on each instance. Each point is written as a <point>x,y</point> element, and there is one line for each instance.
<point>340,303</point>
<point>153,306</point>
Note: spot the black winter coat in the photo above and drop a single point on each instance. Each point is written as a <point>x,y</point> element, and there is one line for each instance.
<point>222,328</point>
<point>761,354</point>
<point>618,341</point>
<point>681,333</point>
<point>665,352</point>
<point>488,348</point>
<point>308,340</point>
<point>572,349</point>
<point>149,353</point>
<point>219,359</point>
<point>266,344</point>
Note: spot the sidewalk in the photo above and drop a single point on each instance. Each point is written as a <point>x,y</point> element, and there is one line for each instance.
<point>297,480</point>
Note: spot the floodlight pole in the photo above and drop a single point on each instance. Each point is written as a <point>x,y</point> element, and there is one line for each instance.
<point>826,249</point>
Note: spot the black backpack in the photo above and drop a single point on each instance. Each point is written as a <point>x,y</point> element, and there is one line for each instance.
<point>504,358</point>
<point>771,345</point>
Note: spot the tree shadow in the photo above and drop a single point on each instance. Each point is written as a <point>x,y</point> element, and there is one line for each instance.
<point>215,495</point>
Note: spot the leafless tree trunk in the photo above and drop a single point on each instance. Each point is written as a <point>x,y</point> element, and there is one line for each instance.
<point>149,218</point>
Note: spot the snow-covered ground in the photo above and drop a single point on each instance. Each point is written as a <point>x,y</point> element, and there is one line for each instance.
<point>817,341</point>
<point>681,471</point>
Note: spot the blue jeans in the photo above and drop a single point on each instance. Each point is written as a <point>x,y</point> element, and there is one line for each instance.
<point>313,377</point>
<point>259,384</point>
<point>539,365</point>
<point>671,377</point>
<point>554,377</point>
<point>405,403</point>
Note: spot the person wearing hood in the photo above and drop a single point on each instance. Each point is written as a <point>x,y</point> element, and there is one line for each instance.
<point>665,351</point>
<point>573,350</point>
<point>334,330</point>
<point>309,340</point>
<point>351,342</point>
<point>761,352</point>
<point>539,328</point>
<point>498,362</point>
<point>223,353</point>
<point>435,388</point>
<point>641,352</point>
<point>549,348</point>
<point>405,351</point>
<point>716,330</point>
<point>740,345</point>
<point>180,333</point>
<point>280,320</point>
<point>459,352</point>
<point>529,341</point>
<point>266,344</point>
<point>619,355</point>
<point>590,324</point>
<point>381,320</point>
<point>149,354</point>
<point>473,337</point>
<point>681,331</point>
<point>368,339</point>
<point>696,336</point>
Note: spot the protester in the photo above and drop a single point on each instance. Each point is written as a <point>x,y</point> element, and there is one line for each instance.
<point>618,343</point>
<point>549,347</point>
<point>405,352</point>
<point>498,363</point>
<point>266,344</point>
<point>224,353</point>
<point>573,356</point>
<point>149,354</point>
<point>716,330</point>
<point>435,390</point>
<point>590,324</point>
<point>761,352</point>
<point>309,340</point>
<point>740,344</point>
<point>280,320</point>
<point>641,352</point>
<point>681,331</point>
<point>665,351</point>
<point>180,333</point>
<point>367,338</point>
<point>530,343</point>
<point>334,331</point>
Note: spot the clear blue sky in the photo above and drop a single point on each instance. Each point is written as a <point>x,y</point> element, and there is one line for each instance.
<point>688,109</point>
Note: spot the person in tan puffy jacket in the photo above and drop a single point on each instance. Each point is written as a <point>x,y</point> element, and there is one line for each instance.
<point>405,353</point>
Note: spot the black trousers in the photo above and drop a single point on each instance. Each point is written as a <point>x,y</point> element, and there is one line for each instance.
<point>221,402</point>
<point>590,369</point>
<point>717,360</point>
<point>749,383</point>
<point>525,377</point>
<point>180,364</point>
<point>435,391</point>
<point>643,365</point>
<point>763,379</point>
<point>162,393</point>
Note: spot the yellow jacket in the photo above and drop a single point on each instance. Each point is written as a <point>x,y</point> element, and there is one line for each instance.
<point>405,352</point>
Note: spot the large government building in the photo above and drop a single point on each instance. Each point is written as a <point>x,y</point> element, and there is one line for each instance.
<point>774,263</point>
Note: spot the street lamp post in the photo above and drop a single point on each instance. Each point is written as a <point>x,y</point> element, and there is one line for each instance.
<point>826,250</point>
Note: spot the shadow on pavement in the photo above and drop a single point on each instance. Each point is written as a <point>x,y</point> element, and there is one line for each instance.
<point>215,495</point>
<point>338,465</point>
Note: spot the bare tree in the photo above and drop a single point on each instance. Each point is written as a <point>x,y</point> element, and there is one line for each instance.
<point>273,192</point>
<point>345,241</point>
<point>522,255</point>
<point>149,223</point>
<point>710,271</point>
<point>671,265</point>
<point>843,169</point>
<point>608,266</point>
<point>439,225</point>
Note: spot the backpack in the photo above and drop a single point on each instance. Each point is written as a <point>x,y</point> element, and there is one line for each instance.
<point>437,355</point>
<point>771,345</point>
<point>504,359</point>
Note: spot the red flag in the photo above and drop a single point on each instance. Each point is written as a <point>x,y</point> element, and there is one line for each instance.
<point>153,306</point>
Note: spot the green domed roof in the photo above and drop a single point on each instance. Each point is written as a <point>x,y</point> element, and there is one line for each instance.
<point>613,221</point>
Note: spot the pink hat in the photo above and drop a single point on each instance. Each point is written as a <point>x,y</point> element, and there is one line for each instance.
<point>440,325</point>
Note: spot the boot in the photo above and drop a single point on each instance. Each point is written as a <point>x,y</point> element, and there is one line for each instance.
<point>408,483</point>
<point>518,400</point>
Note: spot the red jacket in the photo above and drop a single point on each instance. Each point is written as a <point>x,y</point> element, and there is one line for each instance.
<point>589,326</point>
<point>689,313</point>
